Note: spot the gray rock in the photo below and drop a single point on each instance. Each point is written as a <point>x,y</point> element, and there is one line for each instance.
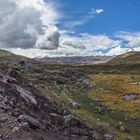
<point>3,119</point>
<point>27,95</point>
<point>70,121</point>
<point>31,121</point>
<point>76,105</point>
<point>24,125</point>
<point>108,137</point>
<point>13,73</point>
<point>130,97</point>
<point>57,118</point>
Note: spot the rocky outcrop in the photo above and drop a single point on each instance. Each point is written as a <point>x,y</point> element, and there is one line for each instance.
<point>26,114</point>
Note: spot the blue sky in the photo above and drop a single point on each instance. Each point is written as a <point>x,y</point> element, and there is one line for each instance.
<point>118,15</point>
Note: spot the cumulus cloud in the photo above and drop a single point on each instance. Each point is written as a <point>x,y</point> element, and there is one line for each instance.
<point>40,53</point>
<point>73,45</point>
<point>23,23</point>
<point>132,39</point>
<point>90,42</point>
<point>117,51</point>
<point>50,40</point>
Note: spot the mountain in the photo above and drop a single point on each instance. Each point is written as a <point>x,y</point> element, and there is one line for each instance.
<point>40,101</point>
<point>127,58</point>
<point>75,60</point>
<point>32,106</point>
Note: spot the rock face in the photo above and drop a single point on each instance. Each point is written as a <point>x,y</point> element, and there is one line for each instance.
<point>26,114</point>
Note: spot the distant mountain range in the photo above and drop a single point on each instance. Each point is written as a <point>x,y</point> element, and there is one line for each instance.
<point>75,60</point>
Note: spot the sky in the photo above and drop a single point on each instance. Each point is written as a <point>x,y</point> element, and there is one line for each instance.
<point>56,28</point>
<point>118,15</point>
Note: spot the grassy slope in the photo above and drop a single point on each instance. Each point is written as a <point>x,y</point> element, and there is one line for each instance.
<point>127,58</point>
<point>123,111</point>
<point>116,86</point>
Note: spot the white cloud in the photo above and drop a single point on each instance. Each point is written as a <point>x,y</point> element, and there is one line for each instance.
<point>86,41</point>
<point>133,38</point>
<point>117,51</point>
<point>49,40</point>
<point>73,24</point>
<point>40,53</point>
<point>23,22</point>
<point>73,45</point>
<point>82,45</point>
<point>94,11</point>
<point>99,11</point>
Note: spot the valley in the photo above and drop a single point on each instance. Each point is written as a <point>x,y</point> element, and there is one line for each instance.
<point>104,98</point>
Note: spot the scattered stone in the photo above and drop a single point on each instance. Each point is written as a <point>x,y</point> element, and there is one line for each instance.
<point>24,125</point>
<point>22,62</point>
<point>76,105</point>
<point>57,118</point>
<point>70,121</point>
<point>3,119</point>
<point>108,137</point>
<point>15,129</point>
<point>121,127</point>
<point>130,97</point>
<point>13,73</point>
<point>11,80</point>
<point>32,122</point>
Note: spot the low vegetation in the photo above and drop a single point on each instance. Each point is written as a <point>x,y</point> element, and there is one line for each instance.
<point>104,96</point>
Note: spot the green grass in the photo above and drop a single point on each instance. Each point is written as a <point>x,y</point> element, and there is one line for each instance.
<point>111,99</point>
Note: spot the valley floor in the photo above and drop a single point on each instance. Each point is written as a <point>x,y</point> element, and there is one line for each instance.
<point>113,103</point>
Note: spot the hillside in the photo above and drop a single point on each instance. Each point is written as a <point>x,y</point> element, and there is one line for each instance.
<point>127,58</point>
<point>32,105</point>
<point>42,101</point>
